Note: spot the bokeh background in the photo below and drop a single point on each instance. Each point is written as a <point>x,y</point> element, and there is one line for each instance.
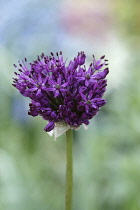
<point>107,156</point>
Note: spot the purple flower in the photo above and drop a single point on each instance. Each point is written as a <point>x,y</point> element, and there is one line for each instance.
<point>62,93</point>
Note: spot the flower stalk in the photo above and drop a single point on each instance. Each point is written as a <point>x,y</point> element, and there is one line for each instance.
<point>69,170</point>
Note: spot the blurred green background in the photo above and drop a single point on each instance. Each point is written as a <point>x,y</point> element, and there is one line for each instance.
<point>107,156</point>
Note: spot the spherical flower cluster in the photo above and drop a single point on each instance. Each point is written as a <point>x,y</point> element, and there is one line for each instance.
<point>70,95</point>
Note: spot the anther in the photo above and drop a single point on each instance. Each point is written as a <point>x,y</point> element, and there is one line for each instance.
<point>102,57</point>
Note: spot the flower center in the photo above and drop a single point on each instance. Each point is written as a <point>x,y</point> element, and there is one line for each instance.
<point>57,87</point>
<point>88,102</point>
<point>87,76</point>
<point>38,85</point>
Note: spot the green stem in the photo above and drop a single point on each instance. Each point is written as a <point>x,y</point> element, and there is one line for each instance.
<point>69,169</point>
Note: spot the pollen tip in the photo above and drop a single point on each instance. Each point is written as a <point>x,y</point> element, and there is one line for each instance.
<point>102,57</point>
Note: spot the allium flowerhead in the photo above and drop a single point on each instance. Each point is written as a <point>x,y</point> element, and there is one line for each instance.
<point>63,94</point>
